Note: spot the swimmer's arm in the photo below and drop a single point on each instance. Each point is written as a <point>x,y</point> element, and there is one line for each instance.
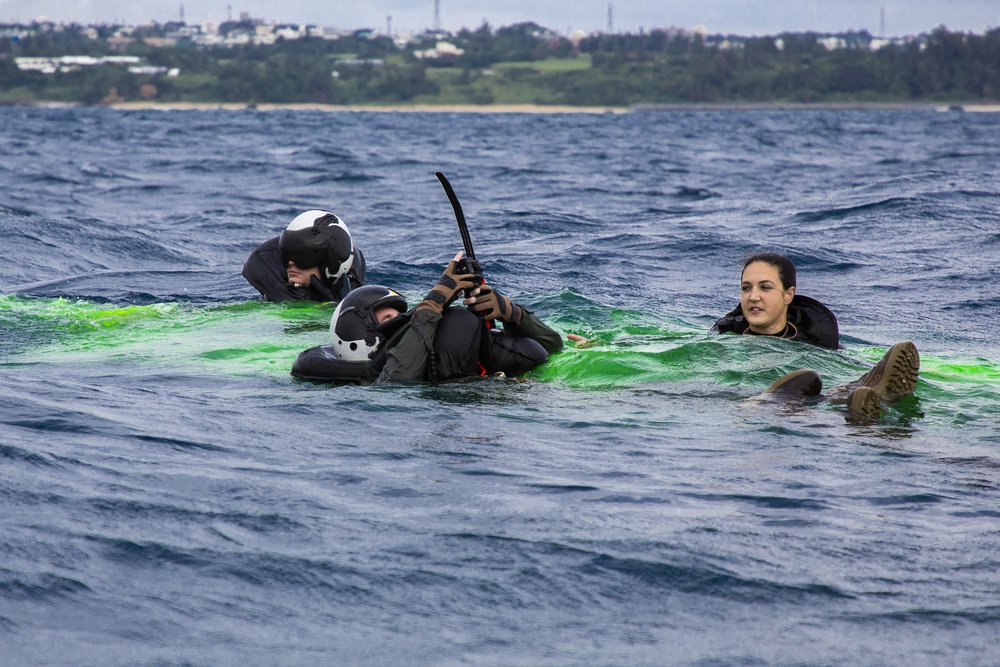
<point>532,327</point>
<point>407,360</point>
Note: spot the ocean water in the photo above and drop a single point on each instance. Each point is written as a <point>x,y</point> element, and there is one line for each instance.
<point>171,496</point>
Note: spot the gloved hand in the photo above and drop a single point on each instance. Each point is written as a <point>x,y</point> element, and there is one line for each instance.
<point>448,287</point>
<point>491,305</point>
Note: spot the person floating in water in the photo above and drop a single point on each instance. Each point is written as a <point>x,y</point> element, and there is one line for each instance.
<point>376,340</point>
<point>769,306</point>
<point>314,259</point>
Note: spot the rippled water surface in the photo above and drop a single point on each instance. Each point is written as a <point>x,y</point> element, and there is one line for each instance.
<point>172,496</point>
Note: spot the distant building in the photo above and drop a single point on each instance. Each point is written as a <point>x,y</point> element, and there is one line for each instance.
<point>291,32</point>
<point>147,70</point>
<point>65,64</point>
<point>119,43</point>
<point>359,62</point>
<point>440,50</point>
<point>832,43</point>
<point>877,44</point>
<point>160,42</point>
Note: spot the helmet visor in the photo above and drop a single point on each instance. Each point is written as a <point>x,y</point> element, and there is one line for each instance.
<point>304,258</point>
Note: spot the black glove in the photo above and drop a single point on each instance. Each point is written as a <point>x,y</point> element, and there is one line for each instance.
<point>491,305</point>
<point>448,288</point>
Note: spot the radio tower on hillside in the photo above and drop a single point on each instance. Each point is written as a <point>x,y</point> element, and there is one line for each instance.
<point>182,12</point>
<point>437,15</point>
<point>611,21</point>
<point>881,23</point>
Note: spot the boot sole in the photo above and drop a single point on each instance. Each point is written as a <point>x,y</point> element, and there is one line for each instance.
<point>864,402</point>
<point>895,375</point>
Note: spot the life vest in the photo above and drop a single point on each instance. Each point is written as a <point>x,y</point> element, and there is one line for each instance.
<point>463,347</point>
<point>814,322</point>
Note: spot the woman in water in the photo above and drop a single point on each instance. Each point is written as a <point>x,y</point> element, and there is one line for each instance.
<point>769,306</point>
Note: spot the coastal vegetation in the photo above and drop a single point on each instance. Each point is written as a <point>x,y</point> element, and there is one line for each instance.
<point>518,64</point>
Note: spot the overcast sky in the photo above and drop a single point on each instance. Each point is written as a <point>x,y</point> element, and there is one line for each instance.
<point>749,17</point>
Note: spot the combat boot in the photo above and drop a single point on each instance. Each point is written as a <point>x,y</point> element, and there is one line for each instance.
<point>892,378</point>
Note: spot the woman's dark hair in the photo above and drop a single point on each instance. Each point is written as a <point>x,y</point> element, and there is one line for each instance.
<point>786,270</point>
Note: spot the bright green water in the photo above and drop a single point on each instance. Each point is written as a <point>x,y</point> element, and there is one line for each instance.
<point>256,337</point>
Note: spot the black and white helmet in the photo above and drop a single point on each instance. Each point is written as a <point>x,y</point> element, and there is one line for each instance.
<point>318,239</point>
<point>354,327</point>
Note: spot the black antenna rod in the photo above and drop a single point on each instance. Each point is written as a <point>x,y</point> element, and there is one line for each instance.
<point>463,228</point>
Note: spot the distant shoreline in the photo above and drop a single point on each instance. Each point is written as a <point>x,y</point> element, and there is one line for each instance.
<point>438,108</point>
<point>538,108</point>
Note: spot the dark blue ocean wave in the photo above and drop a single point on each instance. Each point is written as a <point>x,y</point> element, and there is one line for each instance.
<point>344,176</point>
<point>178,443</point>
<point>98,171</point>
<point>20,455</point>
<point>891,205</point>
<point>46,588</point>
<point>686,192</point>
<point>975,617</point>
<point>705,581</point>
<point>330,154</point>
<point>768,502</point>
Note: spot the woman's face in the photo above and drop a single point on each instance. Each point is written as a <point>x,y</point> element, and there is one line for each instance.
<point>764,299</point>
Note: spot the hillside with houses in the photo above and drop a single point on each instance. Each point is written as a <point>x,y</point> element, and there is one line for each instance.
<point>248,61</point>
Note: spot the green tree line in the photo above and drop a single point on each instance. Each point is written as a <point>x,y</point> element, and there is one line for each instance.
<point>519,63</point>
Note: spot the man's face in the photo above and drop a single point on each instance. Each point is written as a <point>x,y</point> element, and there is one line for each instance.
<point>301,276</point>
<point>385,313</point>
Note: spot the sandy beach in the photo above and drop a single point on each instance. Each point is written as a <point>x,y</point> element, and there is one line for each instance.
<point>548,109</point>
<point>442,108</point>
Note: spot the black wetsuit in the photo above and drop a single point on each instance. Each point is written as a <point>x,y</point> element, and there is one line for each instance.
<point>424,346</point>
<point>264,270</point>
<point>812,322</point>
